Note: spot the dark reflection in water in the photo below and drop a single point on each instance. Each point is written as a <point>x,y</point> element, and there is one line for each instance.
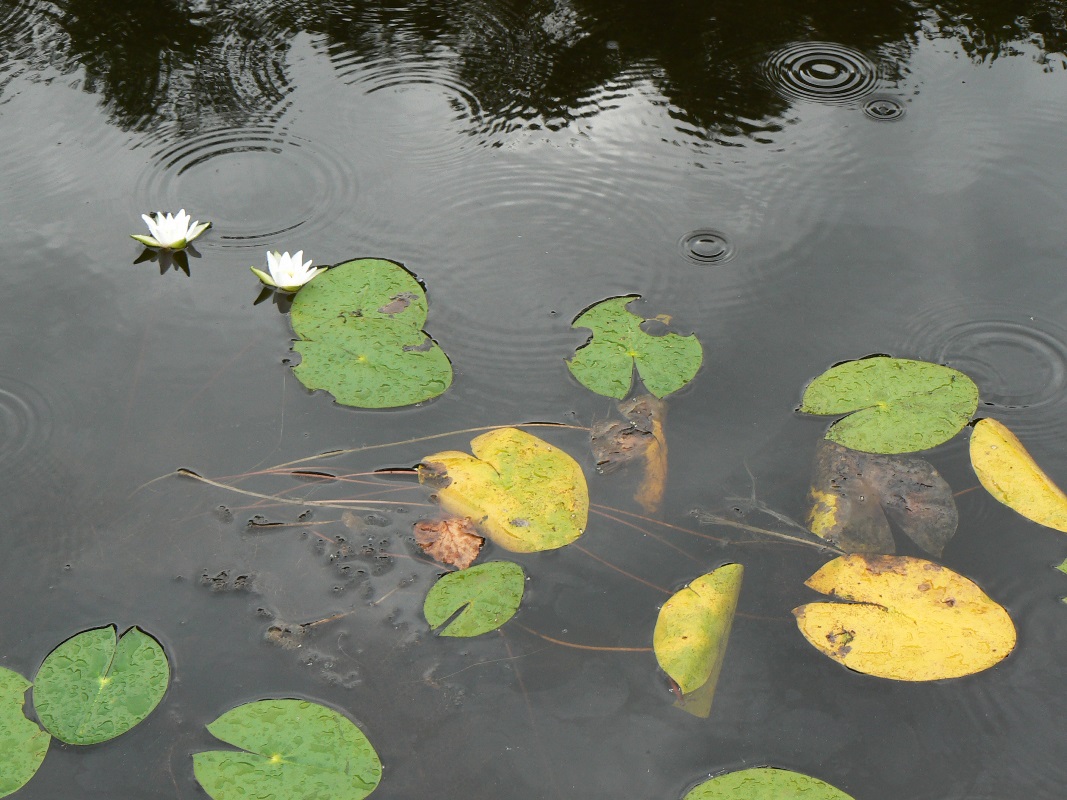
<point>512,64</point>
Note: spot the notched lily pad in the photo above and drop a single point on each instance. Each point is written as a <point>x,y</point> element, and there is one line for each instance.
<point>905,618</point>
<point>23,745</point>
<point>606,363</point>
<point>477,600</point>
<point>95,686</point>
<point>692,632</point>
<point>360,336</point>
<point>291,749</point>
<point>894,405</point>
<point>765,783</point>
<point>522,492</point>
<point>854,496</point>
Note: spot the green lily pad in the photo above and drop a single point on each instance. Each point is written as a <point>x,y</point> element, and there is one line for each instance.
<point>692,630</point>
<point>360,337</point>
<point>606,363</point>
<point>23,744</point>
<point>289,749</point>
<point>894,405</point>
<point>520,491</point>
<point>93,688</point>
<point>765,783</point>
<point>488,594</point>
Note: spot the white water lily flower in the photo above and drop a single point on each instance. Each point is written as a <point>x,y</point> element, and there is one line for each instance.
<point>287,272</point>
<point>170,232</point>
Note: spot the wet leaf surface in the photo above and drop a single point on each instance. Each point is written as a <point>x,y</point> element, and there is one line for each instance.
<point>360,337</point>
<point>522,492</point>
<point>640,436</point>
<point>23,745</point>
<point>855,495</point>
<point>692,632</point>
<point>485,597</point>
<point>93,687</point>
<point>606,363</point>
<point>1010,474</point>
<point>906,618</point>
<point>292,748</point>
<point>765,783</point>
<point>894,405</point>
<point>451,541</point>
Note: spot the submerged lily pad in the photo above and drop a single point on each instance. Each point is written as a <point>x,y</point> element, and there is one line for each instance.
<point>894,405</point>
<point>289,749</point>
<point>360,336</point>
<point>606,363</point>
<point>765,783</point>
<point>23,745</point>
<point>95,686</point>
<point>522,492</point>
<point>486,596</point>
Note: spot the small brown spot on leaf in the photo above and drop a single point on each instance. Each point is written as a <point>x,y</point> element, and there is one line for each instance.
<point>398,303</point>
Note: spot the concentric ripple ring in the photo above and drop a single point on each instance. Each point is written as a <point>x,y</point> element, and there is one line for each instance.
<point>821,71</point>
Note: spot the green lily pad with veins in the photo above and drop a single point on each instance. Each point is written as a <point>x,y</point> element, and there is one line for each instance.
<point>360,337</point>
<point>894,405</point>
<point>289,749</point>
<point>488,594</point>
<point>23,745</point>
<point>765,783</point>
<point>96,686</point>
<point>606,363</point>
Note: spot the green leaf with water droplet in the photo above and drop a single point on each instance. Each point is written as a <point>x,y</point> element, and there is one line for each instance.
<point>765,783</point>
<point>94,687</point>
<point>23,744</point>
<point>289,749</point>
<point>606,363</point>
<point>360,336</point>
<point>894,405</point>
<point>486,596</point>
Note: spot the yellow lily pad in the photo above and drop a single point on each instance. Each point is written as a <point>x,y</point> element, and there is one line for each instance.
<point>692,631</point>
<point>520,491</point>
<point>1011,475</point>
<point>907,619</point>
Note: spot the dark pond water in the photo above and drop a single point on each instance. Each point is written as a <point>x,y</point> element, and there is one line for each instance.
<point>798,184</point>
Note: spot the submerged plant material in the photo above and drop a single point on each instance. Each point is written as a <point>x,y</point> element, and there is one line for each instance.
<point>894,405</point>
<point>907,619</point>
<point>289,749</point>
<point>449,541</point>
<point>170,232</point>
<point>642,436</point>
<point>765,783</point>
<point>96,686</point>
<point>692,631</point>
<point>361,339</point>
<point>853,493</point>
<point>285,272</point>
<point>1010,474</point>
<point>23,745</point>
<point>520,491</point>
<point>476,600</point>
<point>606,363</point>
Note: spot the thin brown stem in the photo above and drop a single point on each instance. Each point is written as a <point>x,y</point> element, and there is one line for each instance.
<point>596,648</point>
<point>620,570</point>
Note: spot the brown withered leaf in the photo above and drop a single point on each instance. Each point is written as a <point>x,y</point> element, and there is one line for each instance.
<point>450,541</point>
<point>855,495</point>
<point>615,443</point>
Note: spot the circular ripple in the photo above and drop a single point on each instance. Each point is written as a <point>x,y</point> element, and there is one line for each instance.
<point>883,109</point>
<point>821,71</point>
<point>706,246</point>
<point>25,422</point>
<point>1019,362</point>
<point>257,185</point>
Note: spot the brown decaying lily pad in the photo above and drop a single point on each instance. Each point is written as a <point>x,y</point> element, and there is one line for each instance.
<point>451,541</point>
<point>615,443</point>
